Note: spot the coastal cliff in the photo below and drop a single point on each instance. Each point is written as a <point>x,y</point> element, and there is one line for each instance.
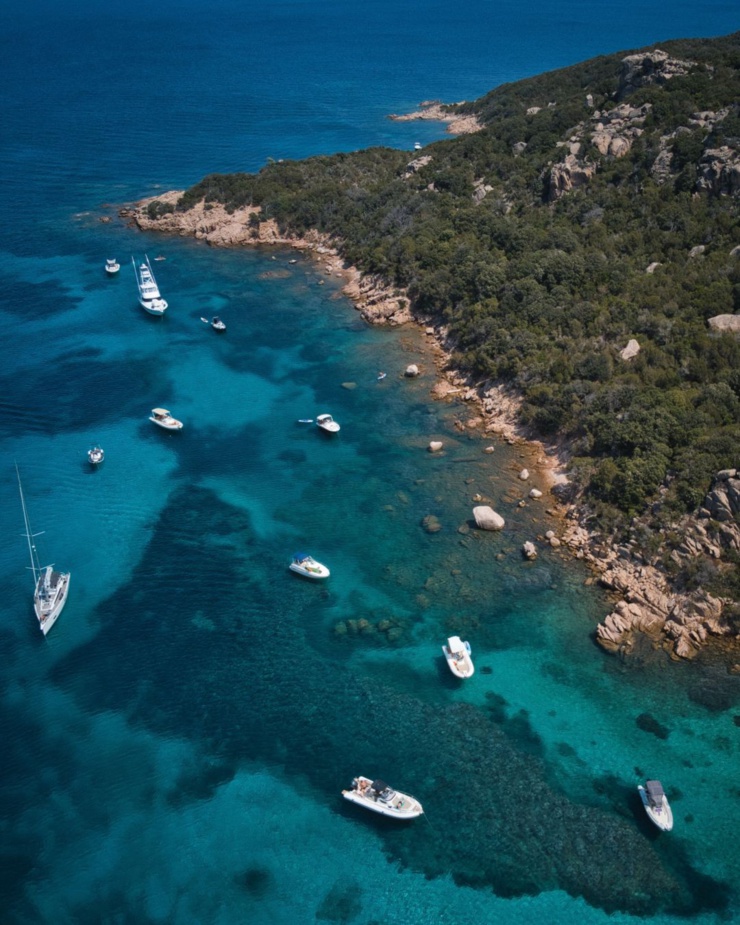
<point>574,257</point>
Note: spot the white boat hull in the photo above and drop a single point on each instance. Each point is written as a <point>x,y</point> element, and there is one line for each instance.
<point>401,806</point>
<point>167,425</point>
<point>315,570</point>
<point>150,297</point>
<point>459,663</point>
<point>49,605</point>
<point>154,306</point>
<point>662,815</point>
<point>327,424</point>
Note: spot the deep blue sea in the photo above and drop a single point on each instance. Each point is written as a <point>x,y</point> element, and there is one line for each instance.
<point>174,751</point>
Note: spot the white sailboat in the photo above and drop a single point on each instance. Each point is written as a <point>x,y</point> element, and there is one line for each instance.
<point>149,297</point>
<point>50,594</point>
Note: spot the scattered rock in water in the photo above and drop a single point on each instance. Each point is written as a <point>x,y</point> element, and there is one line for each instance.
<point>487,519</point>
<point>256,880</point>
<point>435,446</point>
<point>490,449</point>
<point>411,371</point>
<point>522,504</point>
<point>431,524</point>
<point>524,475</point>
<point>648,723</point>
<point>464,529</point>
<point>529,550</point>
<point>535,493</point>
<point>349,385</point>
<point>554,542</point>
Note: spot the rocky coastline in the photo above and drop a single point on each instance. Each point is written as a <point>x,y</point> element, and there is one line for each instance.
<point>646,606</point>
<point>436,111</point>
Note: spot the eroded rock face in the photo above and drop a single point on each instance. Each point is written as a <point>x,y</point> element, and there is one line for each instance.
<point>647,603</point>
<point>649,67</point>
<point>568,175</point>
<point>719,172</point>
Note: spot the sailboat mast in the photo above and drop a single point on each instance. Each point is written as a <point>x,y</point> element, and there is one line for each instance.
<point>35,567</point>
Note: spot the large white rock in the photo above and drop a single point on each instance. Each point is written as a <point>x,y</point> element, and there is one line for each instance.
<point>535,493</point>
<point>487,519</point>
<point>412,370</point>
<point>729,323</point>
<point>529,550</point>
<point>631,350</point>
<point>435,446</point>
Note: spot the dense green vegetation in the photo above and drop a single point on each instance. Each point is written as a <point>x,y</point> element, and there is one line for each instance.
<point>544,294</point>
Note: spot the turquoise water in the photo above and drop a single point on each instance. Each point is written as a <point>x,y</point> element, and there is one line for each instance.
<point>175,749</point>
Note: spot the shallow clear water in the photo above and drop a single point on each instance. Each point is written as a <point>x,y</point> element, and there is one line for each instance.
<point>175,749</point>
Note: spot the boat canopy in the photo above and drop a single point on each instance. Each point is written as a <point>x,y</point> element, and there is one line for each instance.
<point>379,786</point>
<point>655,792</point>
<point>455,644</point>
<point>162,412</point>
<point>300,556</point>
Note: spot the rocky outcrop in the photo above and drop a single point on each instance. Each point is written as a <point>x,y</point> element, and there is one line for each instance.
<point>725,323</point>
<point>647,604</point>
<point>719,172</point>
<point>568,175</point>
<point>631,350</point>
<point>612,132</point>
<point>649,67</point>
<point>615,131</point>
<point>415,166</point>
<point>210,222</point>
<point>435,111</point>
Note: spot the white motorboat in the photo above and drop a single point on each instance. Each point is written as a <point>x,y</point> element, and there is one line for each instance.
<point>163,418</point>
<point>217,324</point>
<point>417,146</point>
<point>656,804</point>
<point>458,657</point>
<point>327,423</point>
<point>112,266</point>
<point>96,455</point>
<point>149,297</point>
<point>380,798</point>
<point>306,565</point>
<point>51,588</point>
